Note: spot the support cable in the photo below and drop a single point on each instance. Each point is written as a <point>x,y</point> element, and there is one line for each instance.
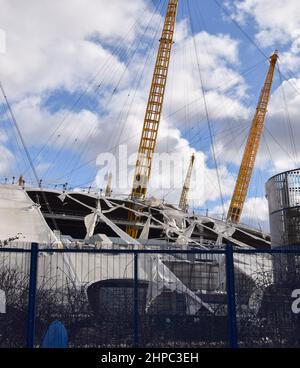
<point>26,152</point>
<point>288,118</point>
<point>206,110</point>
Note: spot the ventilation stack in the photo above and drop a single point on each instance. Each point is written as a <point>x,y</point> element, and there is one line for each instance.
<point>283,194</point>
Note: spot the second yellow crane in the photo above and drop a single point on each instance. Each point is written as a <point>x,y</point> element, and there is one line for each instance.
<point>183,203</point>
<point>246,169</point>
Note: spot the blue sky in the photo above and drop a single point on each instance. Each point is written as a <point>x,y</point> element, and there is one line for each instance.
<point>78,79</point>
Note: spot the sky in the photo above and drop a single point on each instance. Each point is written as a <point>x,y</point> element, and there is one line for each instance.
<point>77,76</point>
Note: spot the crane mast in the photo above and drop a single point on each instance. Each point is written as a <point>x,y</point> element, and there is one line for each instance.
<point>108,190</point>
<point>153,112</point>
<point>183,203</point>
<point>246,169</point>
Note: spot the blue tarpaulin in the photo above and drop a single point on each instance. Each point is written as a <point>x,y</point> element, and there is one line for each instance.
<point>56,336</point>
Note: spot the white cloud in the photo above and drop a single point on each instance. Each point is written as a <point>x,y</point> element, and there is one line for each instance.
<point>2,42</point>
<point>277,25</point>
<point>49,43</point>
<point>283,127</point>
<point>53,47</point>
<point>255,212</point>
<point>35,119</point>
<point>279,149</point>
<point>6,161</point>
<point>278,21</point>
<point>204,184</point>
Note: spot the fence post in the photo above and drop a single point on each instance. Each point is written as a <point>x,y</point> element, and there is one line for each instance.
<point>136,302</point>
<point>231,303</point>
<point>32,295</point>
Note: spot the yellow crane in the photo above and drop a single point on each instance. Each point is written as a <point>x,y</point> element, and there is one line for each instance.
<point>246,169</point>
<point>183,203</point>
<point>108,190</point>
<point>153,112</point>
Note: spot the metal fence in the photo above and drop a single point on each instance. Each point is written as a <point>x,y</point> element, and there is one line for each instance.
<point>151,298</point>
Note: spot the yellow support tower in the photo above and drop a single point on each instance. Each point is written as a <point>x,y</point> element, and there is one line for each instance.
<point>246,169</point>
<point>153,112</point>
<point>108,190</point>
<point>183,203</point>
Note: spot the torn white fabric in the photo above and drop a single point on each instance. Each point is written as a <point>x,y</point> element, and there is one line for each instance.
<point>175,218</point>
<point>223,230</point>
<point>233,241</point>
<point>202,220</point>
<point>62,197</point>
<point>70,269</point>
<point>173,229</point>
<point>90,224</point>
<point>152,202</point>
<point>167,228</point>
<point>99,214</point>
<point>184,239</point>
<point>122,234</point>
<point>263,238</point>
<point>79,202</point>
<point>21,218</point>
<point>255,300</point>
<point>259,267</point>
<point>145,232</point>
<point>161,277</point>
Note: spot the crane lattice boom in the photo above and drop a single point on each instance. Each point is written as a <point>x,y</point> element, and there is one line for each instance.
<point>154,106</point>
<point>246,169</point>
<point>153,111</point>
<point>183,203</point>
<point>108,190</point>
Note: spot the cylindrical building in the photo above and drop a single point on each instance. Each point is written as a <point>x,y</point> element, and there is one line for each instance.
<point>283,194</point>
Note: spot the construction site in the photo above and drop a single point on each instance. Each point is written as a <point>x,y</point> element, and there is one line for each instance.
<point>121,270</point>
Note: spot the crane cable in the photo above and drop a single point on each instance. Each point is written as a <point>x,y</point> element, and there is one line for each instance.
<point>129,61</point>
<point>113,147</point>
<point>26,151</point>
<point>117,51</point>
<point>233,142</point>
<point>206,110</point>
<point>10,143</point>
<point>288,118</point>
<point>19,133</point>
<point>123,114</point>
<point>91,132</point>
<point>250,39</point>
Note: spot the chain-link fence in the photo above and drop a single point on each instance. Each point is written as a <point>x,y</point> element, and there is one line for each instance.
<point>149,297</point>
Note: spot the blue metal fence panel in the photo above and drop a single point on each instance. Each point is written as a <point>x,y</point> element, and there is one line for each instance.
<point>265,317</point>
<point>231,302</point>
<point>32,295</point>
<point>151,298</point>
